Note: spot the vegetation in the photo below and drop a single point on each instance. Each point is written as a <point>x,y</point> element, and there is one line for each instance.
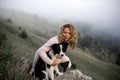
<point>104,50</point>
<point>14,54</point>
<point>93,56</point>
<point>9,20</point>
<point>23,34</point>
<point>5,57</point>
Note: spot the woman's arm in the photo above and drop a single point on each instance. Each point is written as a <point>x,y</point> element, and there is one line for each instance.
<point>45,48</point>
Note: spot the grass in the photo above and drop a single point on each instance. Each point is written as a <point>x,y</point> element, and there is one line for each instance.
<point>23,50</point>
<point>91,66</point>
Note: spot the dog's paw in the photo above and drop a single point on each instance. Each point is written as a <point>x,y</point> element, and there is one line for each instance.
<point>69,65</point>
<point>60,73</point>
<point>31,72</point>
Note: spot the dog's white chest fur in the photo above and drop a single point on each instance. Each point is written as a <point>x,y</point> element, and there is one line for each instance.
<point>50,71</point>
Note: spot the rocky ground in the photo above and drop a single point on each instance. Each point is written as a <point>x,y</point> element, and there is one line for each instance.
<point>73,75</point>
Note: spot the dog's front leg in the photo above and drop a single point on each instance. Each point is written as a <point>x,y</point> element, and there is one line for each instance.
<point>51,73</point>
<point>46,74</point>
<point>57,71</point>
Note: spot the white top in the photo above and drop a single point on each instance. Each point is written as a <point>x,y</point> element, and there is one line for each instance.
<point>41,52</point>
<point>45,48</point>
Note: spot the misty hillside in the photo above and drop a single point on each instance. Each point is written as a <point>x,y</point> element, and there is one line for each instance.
<point>18,43</point>
<point>30,21</point>
<point>105,46</point>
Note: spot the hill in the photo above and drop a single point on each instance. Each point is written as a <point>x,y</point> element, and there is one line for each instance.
<point>30,22</point>
<point>16,53</point>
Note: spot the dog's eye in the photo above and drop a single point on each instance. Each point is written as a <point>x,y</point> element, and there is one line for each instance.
<point>64,49</point>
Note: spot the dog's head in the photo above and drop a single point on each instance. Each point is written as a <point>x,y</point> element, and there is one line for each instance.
<point>59,49</point>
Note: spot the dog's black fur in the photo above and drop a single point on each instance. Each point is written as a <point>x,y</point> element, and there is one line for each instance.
<point>41,65</point>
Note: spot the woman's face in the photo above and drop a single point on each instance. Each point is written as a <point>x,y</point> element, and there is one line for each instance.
<point>66,34</point>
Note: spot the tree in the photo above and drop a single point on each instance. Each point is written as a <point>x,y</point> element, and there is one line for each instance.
<point>118,59</point>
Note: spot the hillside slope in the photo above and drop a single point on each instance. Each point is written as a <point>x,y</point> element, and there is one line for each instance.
<point>24,49</point>
<point>17,54</point>
<point>30,22</point>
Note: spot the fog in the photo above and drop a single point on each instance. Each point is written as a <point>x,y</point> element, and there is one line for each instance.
<point>102,14</point>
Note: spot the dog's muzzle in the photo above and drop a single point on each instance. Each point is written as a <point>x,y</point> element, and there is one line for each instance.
<point>62,55</point>
<point>59,56</point>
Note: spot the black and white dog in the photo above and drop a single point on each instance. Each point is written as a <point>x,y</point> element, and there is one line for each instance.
<point>43,70</point>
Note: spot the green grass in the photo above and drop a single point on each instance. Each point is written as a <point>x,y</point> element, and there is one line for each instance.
<point>91,66</point>
<point>23,50</point>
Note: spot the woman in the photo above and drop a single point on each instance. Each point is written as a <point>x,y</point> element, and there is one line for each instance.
<point>67,34</point>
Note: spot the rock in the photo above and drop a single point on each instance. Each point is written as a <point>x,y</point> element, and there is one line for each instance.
<point>73,75</point>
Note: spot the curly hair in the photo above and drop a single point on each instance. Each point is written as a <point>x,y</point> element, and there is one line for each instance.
<point>73,33</point>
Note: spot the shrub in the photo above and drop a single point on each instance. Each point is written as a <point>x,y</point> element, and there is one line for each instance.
<point>9,20</point>
<point>73,66</point>
<point>23,35</point>
<point>118,59</point>
<point>3,38</point>
<point>19,28</point>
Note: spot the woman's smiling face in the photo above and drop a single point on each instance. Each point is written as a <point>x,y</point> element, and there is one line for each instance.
<point>66,34</point>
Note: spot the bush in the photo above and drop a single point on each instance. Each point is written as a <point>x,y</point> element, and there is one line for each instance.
<point>3,38</point>
<point>19,28</point>
<point>9,20</point>
<point>118,59</point>
<point>73,66</point>
<point>23,35</point>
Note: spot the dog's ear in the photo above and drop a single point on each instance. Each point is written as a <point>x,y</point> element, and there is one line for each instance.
<point>55,48</point>
<point>65,46</point>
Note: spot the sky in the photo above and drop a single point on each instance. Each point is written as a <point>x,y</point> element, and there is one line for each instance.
<point>103,12</point>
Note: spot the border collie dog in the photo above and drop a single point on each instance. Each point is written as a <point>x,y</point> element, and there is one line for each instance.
<point>46,71</point>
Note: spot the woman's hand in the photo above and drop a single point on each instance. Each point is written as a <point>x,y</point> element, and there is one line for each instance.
<point>55,62</point>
